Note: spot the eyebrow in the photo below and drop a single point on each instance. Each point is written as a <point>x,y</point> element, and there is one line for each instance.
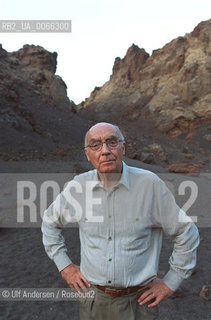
<point>98,140</point>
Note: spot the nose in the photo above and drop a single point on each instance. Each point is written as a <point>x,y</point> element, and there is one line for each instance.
<point>105,149</point>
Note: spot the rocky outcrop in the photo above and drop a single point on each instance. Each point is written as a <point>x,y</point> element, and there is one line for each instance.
<point>205,292</point>
<point>128,69</point>
<point>36,116</point>
<point>36,57</point>
<point>184,168</point>
<point>171,88</point>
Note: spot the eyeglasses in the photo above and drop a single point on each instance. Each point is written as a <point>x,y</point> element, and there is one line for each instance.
<point>110,143</point>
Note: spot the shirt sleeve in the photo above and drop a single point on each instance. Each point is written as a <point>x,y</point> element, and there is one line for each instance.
<point>53,240</point>
<point>181,230</point>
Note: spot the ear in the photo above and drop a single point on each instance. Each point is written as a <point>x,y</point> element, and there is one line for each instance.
<point>87,154</point>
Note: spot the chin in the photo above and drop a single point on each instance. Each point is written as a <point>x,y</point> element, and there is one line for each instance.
<point>109,168</point>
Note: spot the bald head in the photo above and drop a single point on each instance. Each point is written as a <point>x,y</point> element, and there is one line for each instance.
<point>107,158</point>
<point>102,126</point>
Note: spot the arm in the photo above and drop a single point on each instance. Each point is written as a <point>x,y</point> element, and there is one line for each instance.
<point>184,234</point>
<point>54,243</point>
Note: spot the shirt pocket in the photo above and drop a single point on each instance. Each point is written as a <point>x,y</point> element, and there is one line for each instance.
<point>90,228</point>
<point>90,234</point>
<point>136,235</point>
<point>94,229</point>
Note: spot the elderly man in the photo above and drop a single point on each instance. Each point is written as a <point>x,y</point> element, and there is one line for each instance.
<point>120,233</point>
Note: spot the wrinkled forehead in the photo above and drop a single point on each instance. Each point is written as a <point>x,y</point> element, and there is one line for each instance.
<point>102,132</point>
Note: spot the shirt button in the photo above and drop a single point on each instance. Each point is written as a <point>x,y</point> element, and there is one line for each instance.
<point>109,238</point>
<point>110,259</point>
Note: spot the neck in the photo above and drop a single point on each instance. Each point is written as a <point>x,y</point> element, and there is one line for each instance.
<point>109,179</point>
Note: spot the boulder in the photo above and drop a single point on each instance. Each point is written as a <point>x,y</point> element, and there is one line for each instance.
<point>205,292</point>
<point>184,168</point>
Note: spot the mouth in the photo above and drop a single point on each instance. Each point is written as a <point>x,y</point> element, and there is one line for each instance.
<point>107,161</point>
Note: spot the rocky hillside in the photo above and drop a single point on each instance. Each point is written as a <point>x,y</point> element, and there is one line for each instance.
<point>172,86</point>
<point>37,120</point>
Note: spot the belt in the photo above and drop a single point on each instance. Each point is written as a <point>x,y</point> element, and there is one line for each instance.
<point>117,292</point>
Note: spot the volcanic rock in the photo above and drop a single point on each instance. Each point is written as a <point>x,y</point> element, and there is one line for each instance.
<point>184,168</point>
<point>37,57</point>
<point>37,119</point>
<point>205,292</point>
<point>147,157</point>
<point>208,137</point>
<point>171,87</point>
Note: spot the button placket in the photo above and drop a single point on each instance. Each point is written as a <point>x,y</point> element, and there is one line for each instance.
<point>110,274</point>
<point>113,231</point>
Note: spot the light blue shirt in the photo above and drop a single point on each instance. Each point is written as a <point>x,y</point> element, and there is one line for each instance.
<point>122,248</point>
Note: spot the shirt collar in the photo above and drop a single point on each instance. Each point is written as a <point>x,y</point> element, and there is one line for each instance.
<point>124,180</point>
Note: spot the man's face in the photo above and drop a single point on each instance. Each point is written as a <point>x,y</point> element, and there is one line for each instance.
<point>106,160</point>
